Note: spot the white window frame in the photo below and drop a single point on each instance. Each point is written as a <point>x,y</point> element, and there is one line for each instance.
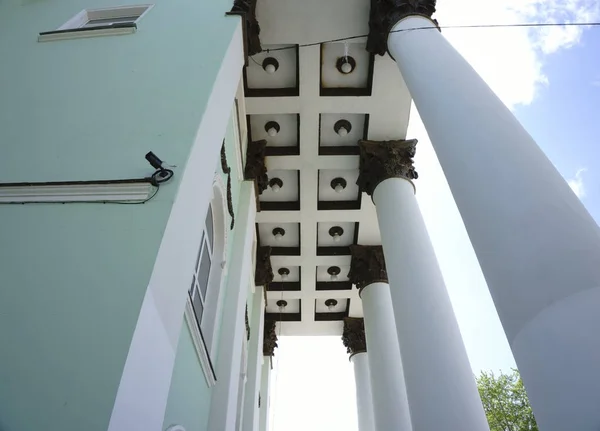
<point>203,333</point>
<point>69,29</point>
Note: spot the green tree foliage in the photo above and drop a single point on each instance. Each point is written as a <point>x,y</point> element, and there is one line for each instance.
<point>505,402</point>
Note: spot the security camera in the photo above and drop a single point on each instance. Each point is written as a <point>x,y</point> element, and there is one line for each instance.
<point>162,174</point>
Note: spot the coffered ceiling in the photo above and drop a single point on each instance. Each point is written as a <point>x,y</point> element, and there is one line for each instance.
<point>312,108</point>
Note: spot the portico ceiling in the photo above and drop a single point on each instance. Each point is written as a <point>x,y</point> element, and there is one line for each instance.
<point>299,110</point>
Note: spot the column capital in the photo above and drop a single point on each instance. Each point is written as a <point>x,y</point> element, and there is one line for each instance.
<point>263,274</point>
<point>269,337</point>
<point>367,265</point>
<point>380,160</point>
<point>247,8</point>
<point>256,168</point>
<point>386,13</point>
<point>353,336</point>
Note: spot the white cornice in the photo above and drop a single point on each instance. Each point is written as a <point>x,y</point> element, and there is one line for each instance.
<point>81,192</point>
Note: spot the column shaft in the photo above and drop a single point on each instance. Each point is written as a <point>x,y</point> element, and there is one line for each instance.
<point>364,396</point>
<point>255,355</point>
<point>225,393</point>
<point>538,247</point>
<point>439,380</point>
<point>390,404</point>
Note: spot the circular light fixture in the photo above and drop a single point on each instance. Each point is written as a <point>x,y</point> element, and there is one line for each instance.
<point>270,65</point>
<point>272,128</point>
<point>284,273</point>
<point>281,304</point>
<point>276,184</point>
<point>342,127</point>
<point>338,184</point>
<point>331,303</point>
<point>334,272</point>
<point>278,233</point>
<point>345,64</point>
<point>336,233</point>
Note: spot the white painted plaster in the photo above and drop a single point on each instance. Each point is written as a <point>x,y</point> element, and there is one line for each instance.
<point>536,243</point>
<point>255,359</point>
<point>225,394</point>
<point>390,402</point>
<point>364,397</point>
<point>440,385</point>
<point>265,385</point>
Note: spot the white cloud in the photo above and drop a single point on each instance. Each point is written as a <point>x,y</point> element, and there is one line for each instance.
<point>576,183</point>
<point>511,60</point>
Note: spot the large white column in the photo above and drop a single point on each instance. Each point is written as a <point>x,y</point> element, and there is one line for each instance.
<point>364,397</point>
<point>265,385</point>
<point>440,384</point>
<point>538,247</point>
<point>225,393</point>
<point>255,359</point>
<point>390,403</point>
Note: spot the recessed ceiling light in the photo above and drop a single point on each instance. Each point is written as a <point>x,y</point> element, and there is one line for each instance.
<point>278,233</point>
<point>276,184</point>
<point>338,184</point>
<point>270,65</point>
<point>272,128</point>
<point>336,233</point>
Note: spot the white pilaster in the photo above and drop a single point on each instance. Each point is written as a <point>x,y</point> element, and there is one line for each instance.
<point>390,404</point>
<point>538,247</point>
<point>255,356</point>
<point>223,411</point>
<point>265,385</point>
<point>439,381</point>
<point>364,397</point>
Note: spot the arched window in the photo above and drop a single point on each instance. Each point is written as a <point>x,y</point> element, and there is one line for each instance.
<point>204,301</point>
<point>204,262</point>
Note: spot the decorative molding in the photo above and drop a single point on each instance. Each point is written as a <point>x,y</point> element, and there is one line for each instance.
<point>227,171</point>
<point>353,335</point>
<point>263,275</point>
<point>256,169</point>
<point>247,324</point>
<point>380,160</point>
<point>367,265</point>
<point>386,13</point>
<point>77,191</point>
<point>247,8</point>
<point>270,337</point>
<point>199,345</point>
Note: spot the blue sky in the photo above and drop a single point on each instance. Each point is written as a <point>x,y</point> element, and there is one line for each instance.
<point>550,78</point>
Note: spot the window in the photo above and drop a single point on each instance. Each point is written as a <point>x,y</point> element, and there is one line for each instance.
<point>204,262</point>
<point>204,300</point>
<point>98,22</point>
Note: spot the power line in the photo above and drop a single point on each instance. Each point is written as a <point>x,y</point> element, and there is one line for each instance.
<point>446,27</point>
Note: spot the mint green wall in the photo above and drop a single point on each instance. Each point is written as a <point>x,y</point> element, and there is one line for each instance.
<point>189,397</point>
<point>72,277</point>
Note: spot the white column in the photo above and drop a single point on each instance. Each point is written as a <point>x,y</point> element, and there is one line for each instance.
<point>364,396</point>
<point>265,385</point>
<point>390,404</point>
<point>440,384</point>
<point>225,393</point>
<point>255,359</point>
<point>538,247</point>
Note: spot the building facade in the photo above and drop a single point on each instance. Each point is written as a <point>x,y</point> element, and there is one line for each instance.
<point>197,178</point>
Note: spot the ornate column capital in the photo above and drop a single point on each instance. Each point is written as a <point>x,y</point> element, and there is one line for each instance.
<point>263,274</point>
<point>247,8</point>
<point>256,169</point>
<point>367,265</point>
<point>353,336</point>
<point>386,13</point>
<point>269,337</point>
<point>380,160</point>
